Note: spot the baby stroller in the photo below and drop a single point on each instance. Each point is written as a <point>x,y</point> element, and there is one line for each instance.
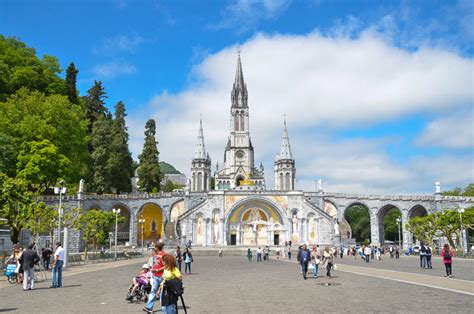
<point>141,294</point>
<point>10,271</point>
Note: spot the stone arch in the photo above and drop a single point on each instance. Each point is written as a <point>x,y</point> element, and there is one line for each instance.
<point>360,230</point>
<point>330,208</point>
<point>94,206</point>
<point>417,211</point>
<point>381,219</point>
<point>153,215</point>
<point>123,233</point>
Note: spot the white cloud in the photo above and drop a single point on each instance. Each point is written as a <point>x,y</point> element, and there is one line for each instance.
<point>113,69</point>
<point>245,14</point>
<point>453,131</point>
<point>322,83</point>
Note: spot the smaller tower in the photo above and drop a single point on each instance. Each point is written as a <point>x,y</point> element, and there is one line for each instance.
<point>201,165</point>
<point>285,170</point>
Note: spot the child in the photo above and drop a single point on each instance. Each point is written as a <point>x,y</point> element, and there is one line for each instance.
<point>142,279</point>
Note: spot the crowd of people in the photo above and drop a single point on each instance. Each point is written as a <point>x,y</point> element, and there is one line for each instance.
<point>27,259</point>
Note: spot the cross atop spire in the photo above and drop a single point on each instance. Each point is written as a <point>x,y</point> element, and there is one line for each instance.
<point>285,149</point>
<point>200,152</point>
<point>239,90</point>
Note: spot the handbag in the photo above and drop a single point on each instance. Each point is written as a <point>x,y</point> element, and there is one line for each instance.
<point>310,266</point>
<point>317,261</point>
<point>334,267</point>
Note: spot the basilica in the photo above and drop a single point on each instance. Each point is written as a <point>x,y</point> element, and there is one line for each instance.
<point>242,210</point>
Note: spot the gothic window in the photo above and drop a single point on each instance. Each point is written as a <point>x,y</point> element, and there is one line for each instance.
<point>194,182</point>
<point>242,122</point>
<point>199,181</point>
<point>287,181</point>
<point>236,122</point>
<point>205,182</point>
<point>281,181</point>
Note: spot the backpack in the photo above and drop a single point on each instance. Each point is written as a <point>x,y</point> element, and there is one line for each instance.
<point>447,254</point>
<point>428,250</point>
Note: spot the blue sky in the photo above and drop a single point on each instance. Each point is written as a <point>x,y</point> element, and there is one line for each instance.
<point>381,90</point>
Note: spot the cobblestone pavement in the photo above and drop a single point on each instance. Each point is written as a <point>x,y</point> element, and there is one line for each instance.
<point>233,285</point>
<point>462,268</point>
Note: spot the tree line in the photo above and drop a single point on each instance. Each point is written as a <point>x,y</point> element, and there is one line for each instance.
<point>49,132</point>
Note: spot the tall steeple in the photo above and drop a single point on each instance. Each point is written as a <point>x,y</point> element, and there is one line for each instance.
<point>201,165</point>
<point>285,149</point>
<point>200,152</point>
<point>285,170</point>
<point>239,95</point>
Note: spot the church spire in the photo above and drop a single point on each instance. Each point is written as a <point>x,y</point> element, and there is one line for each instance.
<point>285,150</point>
<point>239,90</point>
<point>200,152</point>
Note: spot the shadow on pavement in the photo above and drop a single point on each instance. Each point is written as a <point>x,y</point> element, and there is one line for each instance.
<point>8,310</point>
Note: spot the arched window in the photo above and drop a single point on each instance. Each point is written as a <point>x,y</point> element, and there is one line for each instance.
<point>242,122</point>
<point>287,181</point>
<point>236,121</point>
<point>205,182</point>
<point>281,182</point>
<point>199,181</point>
<point>194,182</point>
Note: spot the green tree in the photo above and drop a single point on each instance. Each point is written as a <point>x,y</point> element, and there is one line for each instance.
<point>7,155</point>
<point>71,78</point>
<point>44,220</point>
<point>358,218</point>
<point>95,104</point>
<point>390,225</point>
<point>120,160</point>
<point>100,142</point>
<point>29,116</point>
<point>41,164</point>
<point>170,186</point>
<point>149,176</point>
<point>97,225</point>
<point>21,68</point>
<point>458,191</point>
<point>16,204</point>
<point>423,228</point>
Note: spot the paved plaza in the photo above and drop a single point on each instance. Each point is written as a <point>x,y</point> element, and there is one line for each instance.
<point>233,285</point>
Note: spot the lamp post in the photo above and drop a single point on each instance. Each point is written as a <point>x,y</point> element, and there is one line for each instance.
<point>399,220</point>
<point>463,245</point>
<point>60,190</point>
<point>142,222</point>
<point>116,211</point>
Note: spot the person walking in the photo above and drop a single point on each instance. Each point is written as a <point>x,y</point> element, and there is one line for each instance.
<point>367,251</point>
<point>289,252</point>
<point>29,259</point>
<point>220,252</point>
<point>397,252</point>
<point>179,257</point>
<point>249,254</point>
<point>423,255</point>
<point>447,258</point>
<point>328,261</point>
<point>188,259</point>
<point>428,257</point>
<point>259,254</point>
<point>57,277</point>
<point>315,261</point>
<point>168,298</point>
<point>157,268</point>
<point>303,257</point>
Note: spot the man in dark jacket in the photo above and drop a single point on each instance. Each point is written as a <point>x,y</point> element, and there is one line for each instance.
<point>303,257</point>
<point>29,259</point>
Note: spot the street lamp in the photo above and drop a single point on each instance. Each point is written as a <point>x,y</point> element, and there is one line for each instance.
<point>399,220</point>
<point>60,190</point>
<point>142,221</point>
<point>463,244</point>
<point>116,211</point>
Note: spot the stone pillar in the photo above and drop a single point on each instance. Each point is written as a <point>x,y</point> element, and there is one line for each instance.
<point>222,235</point>
<point>374,227</point>
<point>133,235</point>
<point>238,240</point>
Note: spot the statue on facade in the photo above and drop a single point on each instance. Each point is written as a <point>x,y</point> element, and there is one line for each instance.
<point>216,227</point>
<point>295,224</point>
<point>188,185</point>
<point>438,187</point>
<point>81,186</point>
<point>336,227</point>
<point>320,185</point>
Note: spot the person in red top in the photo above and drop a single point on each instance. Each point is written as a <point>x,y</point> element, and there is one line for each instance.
<point>447,257</point>
<point>157,273</point>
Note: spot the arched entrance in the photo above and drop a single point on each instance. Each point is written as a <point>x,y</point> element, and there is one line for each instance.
<point>255,222</point>
<point>357,217</point>
<point>123,230</point>
<point>153,226</point>
<point>390,225</point>
<point>415,211</point>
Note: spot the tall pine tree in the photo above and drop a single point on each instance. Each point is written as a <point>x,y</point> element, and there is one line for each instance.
<point>71,78</point>
<point>101,137</point>
<point>95,104</point>
<point>120,159</point>
<point>149,176</point>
